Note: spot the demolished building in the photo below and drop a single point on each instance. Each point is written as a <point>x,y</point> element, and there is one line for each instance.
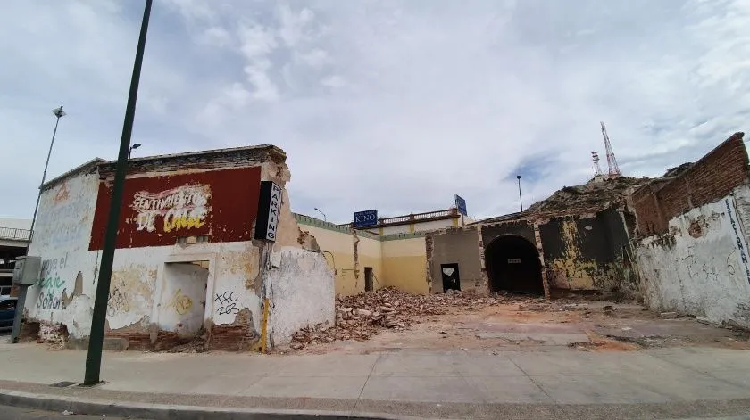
<point>692,236</point>
<point>576,240</point>
<point>193,258</point>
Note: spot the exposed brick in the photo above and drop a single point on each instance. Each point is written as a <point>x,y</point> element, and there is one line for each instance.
<point>708,180</point>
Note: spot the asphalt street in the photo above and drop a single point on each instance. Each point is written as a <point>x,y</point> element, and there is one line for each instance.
<point>13,413</point>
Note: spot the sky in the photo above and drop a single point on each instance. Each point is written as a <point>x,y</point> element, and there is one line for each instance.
<point>387,105</point>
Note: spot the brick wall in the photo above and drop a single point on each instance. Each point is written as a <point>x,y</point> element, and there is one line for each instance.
<point>708,180</point>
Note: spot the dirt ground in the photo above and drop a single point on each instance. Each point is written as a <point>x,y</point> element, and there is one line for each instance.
<point>518,323</point>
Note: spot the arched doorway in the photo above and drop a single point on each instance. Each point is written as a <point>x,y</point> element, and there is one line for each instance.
<point>513,265</point>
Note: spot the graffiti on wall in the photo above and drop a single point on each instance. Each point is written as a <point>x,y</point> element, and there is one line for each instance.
<point>180,302</point>
<point>177,208</point>
<point>741,245</point>
<point>50,284</point>
<point>227,303</point>
<point>159,209</point>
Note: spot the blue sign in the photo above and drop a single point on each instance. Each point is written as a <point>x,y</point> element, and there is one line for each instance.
<point>460,204</point>
<point>365,218</point>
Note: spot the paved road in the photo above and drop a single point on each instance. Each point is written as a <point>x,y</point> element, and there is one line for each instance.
<point>26,413</point>
<point>561,383</point>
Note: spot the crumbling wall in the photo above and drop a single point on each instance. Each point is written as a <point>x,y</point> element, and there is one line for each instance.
<point>301,289</point>
<point>346,253</point>
<point>697,262</point>
<point>460,246</point>
<point>706,181</point>
<point>64,293</point>
<point>701,266</point>
<point>589,252</point>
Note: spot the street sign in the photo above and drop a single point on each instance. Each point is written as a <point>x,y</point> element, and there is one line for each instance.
<point>365,218</point>
<point>269,207</point>
<point>460,204</point>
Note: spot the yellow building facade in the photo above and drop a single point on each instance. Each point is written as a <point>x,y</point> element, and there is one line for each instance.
<point>363,260</point>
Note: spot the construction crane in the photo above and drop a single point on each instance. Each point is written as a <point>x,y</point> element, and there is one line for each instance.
<point>614,170</point>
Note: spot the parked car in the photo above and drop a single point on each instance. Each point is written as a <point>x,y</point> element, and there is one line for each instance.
<point>7,310</point>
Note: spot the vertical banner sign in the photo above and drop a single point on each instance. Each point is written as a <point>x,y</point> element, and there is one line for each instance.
<point>460,204</point>
<point>366,218</point>
<point>269,206</point>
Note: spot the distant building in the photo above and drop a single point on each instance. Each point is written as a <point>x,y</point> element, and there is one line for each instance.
<point>14,239</point>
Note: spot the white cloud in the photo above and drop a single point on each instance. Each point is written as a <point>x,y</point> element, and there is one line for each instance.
<point>396,105</point>
<point>215,36</point>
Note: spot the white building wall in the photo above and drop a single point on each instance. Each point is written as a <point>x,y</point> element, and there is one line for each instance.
<point>701,267</point>
<point>301,284</point>
<point>302,292</point>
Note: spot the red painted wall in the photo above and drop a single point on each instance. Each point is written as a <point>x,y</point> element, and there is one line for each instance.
<point>157,210</point>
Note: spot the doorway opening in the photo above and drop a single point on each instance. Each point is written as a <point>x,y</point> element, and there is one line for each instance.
<point>368,279</point>
<point>183,297</point>
<point>513,265</point>
<point>451,277</point>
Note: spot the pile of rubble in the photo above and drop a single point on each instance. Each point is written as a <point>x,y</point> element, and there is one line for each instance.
<point>358,317</point>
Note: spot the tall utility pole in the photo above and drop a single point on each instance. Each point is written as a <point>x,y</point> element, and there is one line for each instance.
<point>520,197</point>
<point>21,302</point>
<point>96,337</point>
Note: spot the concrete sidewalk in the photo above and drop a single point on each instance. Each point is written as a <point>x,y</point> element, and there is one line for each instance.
<point>460,384</point>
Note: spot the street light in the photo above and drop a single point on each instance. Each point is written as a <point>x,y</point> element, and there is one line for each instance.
<point>321,212</point>
<point>58,113</point>
<point>519,191</point>
<point>134,146</point>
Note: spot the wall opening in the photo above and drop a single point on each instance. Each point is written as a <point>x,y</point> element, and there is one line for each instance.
<point>183,297</point>
<point>451,277</point>
<point>368,279</point>
<point>513,265</point>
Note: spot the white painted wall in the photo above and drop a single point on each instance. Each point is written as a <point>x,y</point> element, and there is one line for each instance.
<point>62,240</point>
<point>63,230</point>
<point>301,290</point>
<point>301,284</point>
<point>707,275</point>
<point>183,298</point>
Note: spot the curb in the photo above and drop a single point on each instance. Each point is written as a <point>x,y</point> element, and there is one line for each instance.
<point>170,412</point>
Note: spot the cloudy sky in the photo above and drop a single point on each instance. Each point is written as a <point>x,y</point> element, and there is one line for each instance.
<point>391,105</point>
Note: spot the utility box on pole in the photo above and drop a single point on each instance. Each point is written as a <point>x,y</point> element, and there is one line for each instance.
<point>26,271</point>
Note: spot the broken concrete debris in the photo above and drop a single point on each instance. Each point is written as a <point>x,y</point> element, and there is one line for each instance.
<point>360,316</point>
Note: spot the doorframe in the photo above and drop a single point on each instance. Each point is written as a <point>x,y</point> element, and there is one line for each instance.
<point>208,310</point>
<point>372,284</point>
<point>458,273</point>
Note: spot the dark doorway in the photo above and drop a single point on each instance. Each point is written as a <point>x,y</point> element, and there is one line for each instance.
<point>451,277</point>
<point>513,265</point>
<point>368,279</point>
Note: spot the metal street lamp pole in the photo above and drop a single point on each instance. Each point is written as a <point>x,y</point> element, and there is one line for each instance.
<point>321,212</point>
<point>134,146</point>
<point>96,337</point>
<point>520,197</point>
<point>16,331</point>
<point>58,113</point>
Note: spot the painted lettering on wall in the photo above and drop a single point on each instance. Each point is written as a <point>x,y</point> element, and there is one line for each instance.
<point>180,302</point>
<point>182,207</point>
<point>741,245</point>
<point>50,284</point>
<point>227,303</point>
